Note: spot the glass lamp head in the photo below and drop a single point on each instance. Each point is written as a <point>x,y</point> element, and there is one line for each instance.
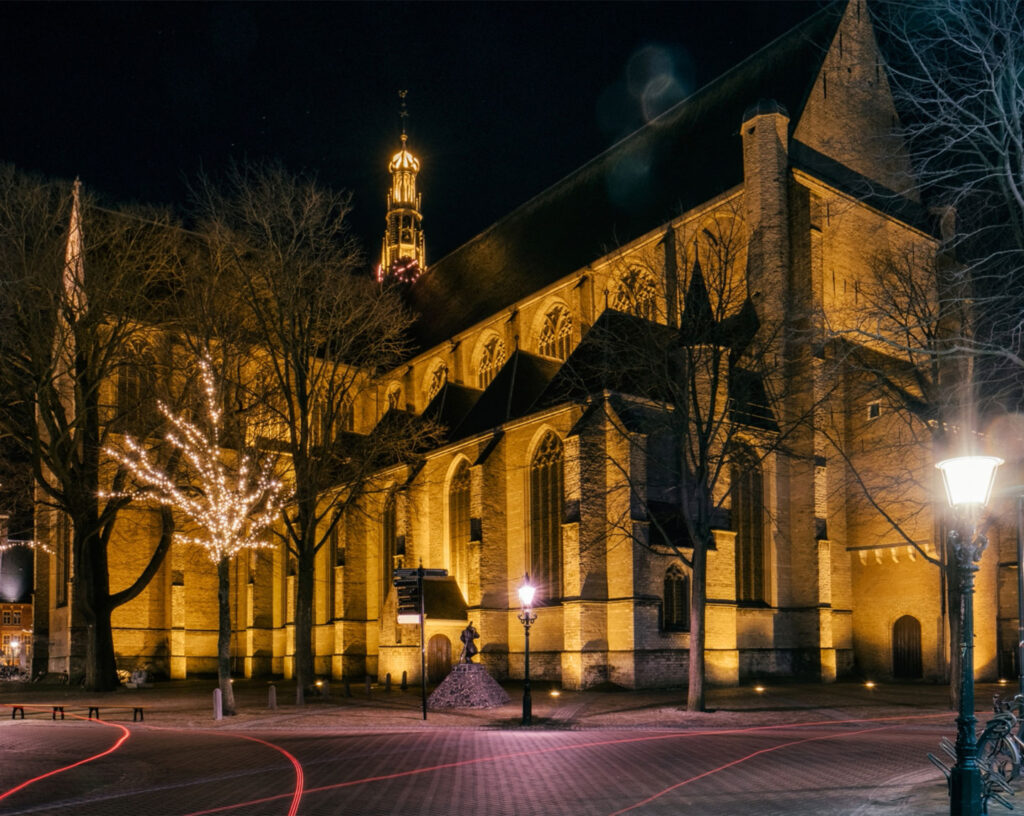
<point>526,593</point>
<point>968,479</point>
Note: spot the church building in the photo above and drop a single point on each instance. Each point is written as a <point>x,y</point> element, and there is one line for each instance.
<point>758,203</point>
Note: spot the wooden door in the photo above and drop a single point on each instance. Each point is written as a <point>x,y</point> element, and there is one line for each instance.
<point>906,648</point>
<point>439,658</point>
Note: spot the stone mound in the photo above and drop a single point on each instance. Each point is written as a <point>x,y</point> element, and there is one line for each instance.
<point>468,685</point>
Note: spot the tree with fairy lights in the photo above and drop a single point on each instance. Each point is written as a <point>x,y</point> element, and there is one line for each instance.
<point>229,498</point>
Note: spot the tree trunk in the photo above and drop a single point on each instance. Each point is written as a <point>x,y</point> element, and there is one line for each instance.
<point>100,661</point>
<point>224,636</point>
<point>698,596</point>
<point>92,599</point>
<point>304,625</point>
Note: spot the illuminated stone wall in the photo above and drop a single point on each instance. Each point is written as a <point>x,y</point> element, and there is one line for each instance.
<point>838,575</point>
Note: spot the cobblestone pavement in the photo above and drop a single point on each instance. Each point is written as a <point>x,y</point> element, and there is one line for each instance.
<point>793,749</point>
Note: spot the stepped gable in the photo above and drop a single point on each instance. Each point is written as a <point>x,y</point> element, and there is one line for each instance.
<point>686,156</point>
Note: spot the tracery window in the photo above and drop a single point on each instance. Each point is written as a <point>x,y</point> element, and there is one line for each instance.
<point>136,400</point>
<point>748,522</point>
<point>635,294</point>
<point>491,361</point>
<point>438,378</point>
<point>546,479</point>
<point>459,526</point>
<point>556,334</point>
<point>676,601</point>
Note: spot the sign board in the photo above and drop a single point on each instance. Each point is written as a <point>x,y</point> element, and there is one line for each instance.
<point>409,588</point>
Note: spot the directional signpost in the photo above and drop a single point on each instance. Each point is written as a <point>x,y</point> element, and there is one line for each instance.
<point>412,609</point>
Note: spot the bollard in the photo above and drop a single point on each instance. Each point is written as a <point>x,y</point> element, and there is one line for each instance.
<point>218,709</point>
<point>348,687</point>
<point>272,697</point>
<point>369,690</point>
<point>405,681</point>
<point>387,683</point>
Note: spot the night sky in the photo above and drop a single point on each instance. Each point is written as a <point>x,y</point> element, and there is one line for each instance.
<point>504,99</point>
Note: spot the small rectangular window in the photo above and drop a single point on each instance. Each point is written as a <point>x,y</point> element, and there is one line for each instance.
<point>874,409</point>
<point>17,616</point>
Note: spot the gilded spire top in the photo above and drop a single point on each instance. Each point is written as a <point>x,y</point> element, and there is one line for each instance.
<point>403,159</point>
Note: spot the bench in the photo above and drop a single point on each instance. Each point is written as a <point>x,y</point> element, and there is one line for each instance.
<point>138,715</point>
<point>18,711</point>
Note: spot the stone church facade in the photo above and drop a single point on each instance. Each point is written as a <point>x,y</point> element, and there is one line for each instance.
<point>793,152</point>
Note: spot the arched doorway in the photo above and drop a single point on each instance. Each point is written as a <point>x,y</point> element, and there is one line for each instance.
<point>439,658</point>
<point>906,648</point>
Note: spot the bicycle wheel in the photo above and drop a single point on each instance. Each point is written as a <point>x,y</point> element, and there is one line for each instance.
<point>997,751</point>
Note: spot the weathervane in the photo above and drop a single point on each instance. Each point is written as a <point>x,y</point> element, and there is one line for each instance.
<point>403,114</point>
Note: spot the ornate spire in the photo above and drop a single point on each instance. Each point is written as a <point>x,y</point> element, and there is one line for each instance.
<point>402,255</point>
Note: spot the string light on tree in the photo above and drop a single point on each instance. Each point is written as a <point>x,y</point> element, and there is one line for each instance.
<point>229,506</point>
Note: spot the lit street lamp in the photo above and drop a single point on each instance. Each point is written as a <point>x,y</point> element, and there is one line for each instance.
<point>527,616</point>
<point>968,481</point>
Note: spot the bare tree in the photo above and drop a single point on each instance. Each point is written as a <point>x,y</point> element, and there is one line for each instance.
<point>232,503</point>
<point>957,74</point>
<point>689,380</point>
<point>321,331</point>
<point>76,307</point>
<point>906,347</point>
<point>947,352</point>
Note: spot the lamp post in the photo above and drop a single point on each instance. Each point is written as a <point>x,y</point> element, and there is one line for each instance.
<point>1020,593</point>
<point>526,617</point>
<point>968,481</point>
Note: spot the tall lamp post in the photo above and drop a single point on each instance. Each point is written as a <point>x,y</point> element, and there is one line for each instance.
<point>526,617</point>
<point>968,481</point>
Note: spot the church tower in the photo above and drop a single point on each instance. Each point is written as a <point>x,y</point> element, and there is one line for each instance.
<point>402,255</point>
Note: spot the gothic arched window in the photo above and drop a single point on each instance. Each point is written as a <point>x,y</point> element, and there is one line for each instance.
<point>136,387</point>
<point>546,478</point>
<point>458,525</point>
<point>675,607</point>
<point>635,294</point>
<point>438,377</point>
<point>748,522</point>
<point>491,360</point>
<point>388,543</point>
<point>556,334</point>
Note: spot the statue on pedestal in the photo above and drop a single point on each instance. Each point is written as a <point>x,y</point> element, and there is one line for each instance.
<point>468,636</point>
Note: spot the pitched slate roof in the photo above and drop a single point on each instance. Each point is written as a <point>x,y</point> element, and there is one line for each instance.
<point>686,156</point>
<point>450,406</point>
<point>511,393</point>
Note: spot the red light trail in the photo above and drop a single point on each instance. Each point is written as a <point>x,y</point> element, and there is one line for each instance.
<point>599,743</point>
<point>125,733</point>
<point>299,790</point>
<point>749,756</point>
